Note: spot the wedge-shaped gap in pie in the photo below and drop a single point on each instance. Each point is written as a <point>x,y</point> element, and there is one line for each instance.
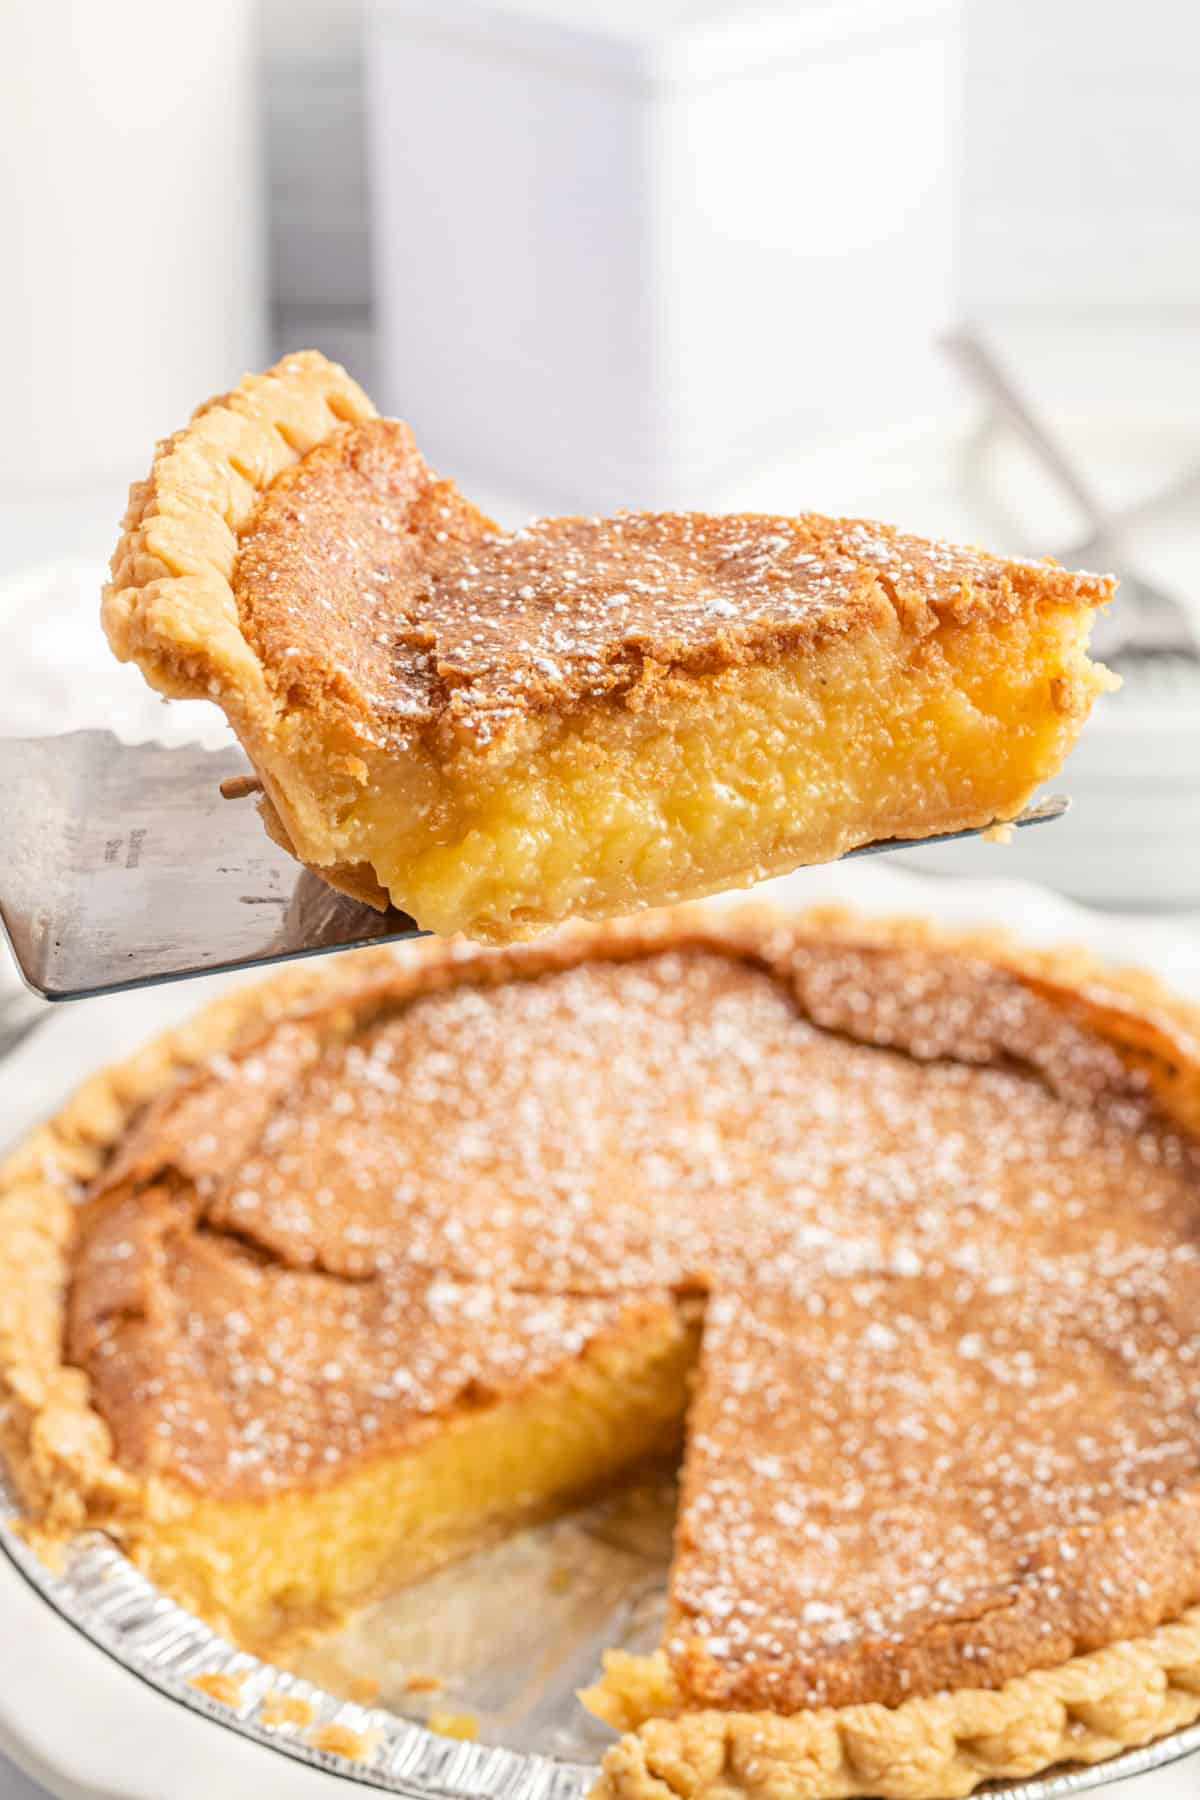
<point>938,1201</point>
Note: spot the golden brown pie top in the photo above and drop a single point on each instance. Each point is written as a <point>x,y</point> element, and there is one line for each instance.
<point>366,583</point>
<point>237,1374</point>
<point>954,1475</point>
<point>947,1416</point>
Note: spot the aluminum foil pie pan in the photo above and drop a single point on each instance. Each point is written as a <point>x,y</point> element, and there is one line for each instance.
<point>514,1631</point>
<point>519,1682</point>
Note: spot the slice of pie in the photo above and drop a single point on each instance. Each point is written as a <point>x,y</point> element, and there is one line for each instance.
<point>901,1231</point>
<point>497,730</point>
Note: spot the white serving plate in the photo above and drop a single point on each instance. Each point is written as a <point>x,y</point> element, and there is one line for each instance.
<point>120,1722</point>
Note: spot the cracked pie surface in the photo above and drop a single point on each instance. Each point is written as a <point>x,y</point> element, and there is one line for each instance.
<point>497,730</point>
<point>897,1233</point>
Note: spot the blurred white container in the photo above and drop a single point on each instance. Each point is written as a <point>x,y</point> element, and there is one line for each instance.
<point>131,267</point>
<point>315,161</point>
<point>1082,168</point>
<point>623,250</point>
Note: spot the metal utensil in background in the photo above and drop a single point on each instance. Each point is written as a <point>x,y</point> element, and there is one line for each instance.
<point>124,867</point>
<point>1147,622</point>
<point>20,1015</point>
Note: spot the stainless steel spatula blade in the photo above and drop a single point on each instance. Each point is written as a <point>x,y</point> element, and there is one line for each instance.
<point>125,866</point>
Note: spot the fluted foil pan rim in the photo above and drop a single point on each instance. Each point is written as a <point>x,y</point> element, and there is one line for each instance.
<point>106,1598</point>
<point>412,1761</point>
<point>115,1607</point>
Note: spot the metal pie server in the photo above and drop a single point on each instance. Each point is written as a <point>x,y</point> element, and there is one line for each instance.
<point>125,866</point>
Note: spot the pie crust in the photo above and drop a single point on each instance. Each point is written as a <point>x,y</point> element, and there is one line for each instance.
<point>1085,1708</point>
<point>500,730</point>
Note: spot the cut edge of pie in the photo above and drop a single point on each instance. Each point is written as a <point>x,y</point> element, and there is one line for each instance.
<point>929,689</point>
<point>60,1452</point>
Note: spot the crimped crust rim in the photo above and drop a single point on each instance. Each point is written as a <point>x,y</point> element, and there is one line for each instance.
<point>1086,1710</point>
<point>169,604</point>
<point>59,1452</point>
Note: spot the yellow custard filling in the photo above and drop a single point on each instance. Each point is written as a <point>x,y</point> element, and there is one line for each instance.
<point>721,784</point>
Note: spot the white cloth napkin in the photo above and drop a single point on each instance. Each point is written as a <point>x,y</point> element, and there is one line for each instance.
<point>59,674</point>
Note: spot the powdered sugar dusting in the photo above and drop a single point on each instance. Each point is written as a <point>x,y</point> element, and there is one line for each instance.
<point>668,1118</point>
<point>877,1459</point>
<point>364,580</point>
<point>951,1361</point>
<point>246,1376</point>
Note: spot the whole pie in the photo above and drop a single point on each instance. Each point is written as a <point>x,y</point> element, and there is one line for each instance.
<point>900,1232</point>
<point>499,730</point>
